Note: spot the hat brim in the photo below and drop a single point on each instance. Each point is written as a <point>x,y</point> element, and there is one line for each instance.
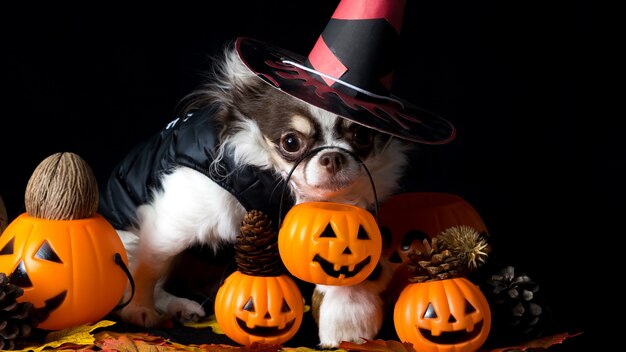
<point>404,120</point>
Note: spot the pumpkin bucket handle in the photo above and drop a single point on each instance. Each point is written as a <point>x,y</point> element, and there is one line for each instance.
<point>118,260</point>
<point>315,151</point>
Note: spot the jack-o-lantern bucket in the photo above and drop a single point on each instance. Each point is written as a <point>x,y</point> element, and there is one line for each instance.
<point>258,303</point>
<point>330,243</point>
<point>65,267</point>
<point>67,258</point>
<point>450,315</point>
<point>440,310</point>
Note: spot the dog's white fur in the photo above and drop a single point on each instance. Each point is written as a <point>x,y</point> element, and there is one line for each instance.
<point>191,209</point>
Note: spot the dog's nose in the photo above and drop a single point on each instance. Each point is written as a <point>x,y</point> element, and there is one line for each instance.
<point>332,161</point>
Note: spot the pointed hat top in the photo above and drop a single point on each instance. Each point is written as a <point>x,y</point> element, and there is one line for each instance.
<point>349,71</point>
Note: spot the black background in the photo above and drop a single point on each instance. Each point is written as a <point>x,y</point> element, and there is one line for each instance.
<point>514,77</point>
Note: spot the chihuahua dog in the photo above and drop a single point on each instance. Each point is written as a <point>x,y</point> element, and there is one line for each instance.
<point>232,150</point>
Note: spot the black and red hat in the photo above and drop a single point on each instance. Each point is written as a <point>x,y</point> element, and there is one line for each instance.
<point>350,70</point>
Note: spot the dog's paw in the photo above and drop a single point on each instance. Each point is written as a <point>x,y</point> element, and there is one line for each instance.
<point>185,310</point>
<point>141,316</point>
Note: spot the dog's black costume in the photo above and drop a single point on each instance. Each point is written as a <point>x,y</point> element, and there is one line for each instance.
<point>190,142</point>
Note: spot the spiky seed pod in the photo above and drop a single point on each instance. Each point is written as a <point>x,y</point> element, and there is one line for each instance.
<point>256,249</point>
<point>518,311</point>
<point>467,244</point>
<point>62,187</point>
<point>16,319</point>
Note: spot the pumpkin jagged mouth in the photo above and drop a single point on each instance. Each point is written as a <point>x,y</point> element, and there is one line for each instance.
<point>265,331</point>
<point>452,337</point>
<point>329,268</point>
<point>51,304</point>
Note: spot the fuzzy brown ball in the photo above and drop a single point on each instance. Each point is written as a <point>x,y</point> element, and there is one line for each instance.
<point>62,187</point>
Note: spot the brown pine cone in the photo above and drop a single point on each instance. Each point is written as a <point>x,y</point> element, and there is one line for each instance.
<point>16,319</point>
<point>435,263</point>
<point>256,249</point>
<point>457,251</point>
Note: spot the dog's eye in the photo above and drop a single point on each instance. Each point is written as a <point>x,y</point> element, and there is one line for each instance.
<point>291,142</point>
<point>362,137</point>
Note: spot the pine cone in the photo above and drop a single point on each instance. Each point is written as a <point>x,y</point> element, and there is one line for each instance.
<point>435,263</point>
<point>256,249</point>
<point>518,314</point>
<point>16,320</point>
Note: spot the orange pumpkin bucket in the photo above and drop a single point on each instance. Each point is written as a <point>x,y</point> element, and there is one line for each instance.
<point>258,303</point>
<point>67,258</point>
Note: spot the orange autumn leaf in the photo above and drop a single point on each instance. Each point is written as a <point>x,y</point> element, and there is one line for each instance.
<point>540,343</point>
<point>378,346</point>
<point>308,349</point>
<point>112,341</point>
<point>221,348</point>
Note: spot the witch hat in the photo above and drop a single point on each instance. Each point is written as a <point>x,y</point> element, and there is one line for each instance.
<point>349,71</point>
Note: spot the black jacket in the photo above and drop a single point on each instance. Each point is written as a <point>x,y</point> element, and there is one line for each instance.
<point>189,142</point>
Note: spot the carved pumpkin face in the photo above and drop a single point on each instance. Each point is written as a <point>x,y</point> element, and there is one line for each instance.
<point>450,315</point>
<point>65,267</point>
<point>329,243</point>
<point>262,309</point>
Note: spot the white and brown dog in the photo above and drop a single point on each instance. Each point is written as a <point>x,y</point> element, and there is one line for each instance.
<point>237,141</point>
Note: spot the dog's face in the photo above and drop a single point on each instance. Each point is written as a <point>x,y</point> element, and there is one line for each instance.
<point>272,130</point>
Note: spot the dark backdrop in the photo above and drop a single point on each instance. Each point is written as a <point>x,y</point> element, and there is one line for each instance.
<point>512,76</point>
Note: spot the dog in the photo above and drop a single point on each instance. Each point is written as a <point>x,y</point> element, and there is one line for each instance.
<point>267,121</point>
<point>259,126</point>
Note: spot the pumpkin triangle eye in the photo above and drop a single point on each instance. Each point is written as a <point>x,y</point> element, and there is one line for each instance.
<point>430,312</point>
<point>469,308</point>
<point>328,232</point>
<point>8,248</point>
<point>46,252</point>
<point>285,307</point>
<point>249,306</point>
<point>19,277</point>
<point>362,234</point>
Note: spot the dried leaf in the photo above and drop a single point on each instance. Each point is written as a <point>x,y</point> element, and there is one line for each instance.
<point>140,342</point>
<point>542,343</point>
<point>307,349</point>
<point>378,346</point>
<point>217,348</point>
<point>76,337</point>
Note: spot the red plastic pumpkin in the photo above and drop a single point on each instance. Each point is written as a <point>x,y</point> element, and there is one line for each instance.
<point>406,219</point>
<point>450,315</point>
<point>66,267</point>
<point>329,243</point>
<point>259,309</point>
